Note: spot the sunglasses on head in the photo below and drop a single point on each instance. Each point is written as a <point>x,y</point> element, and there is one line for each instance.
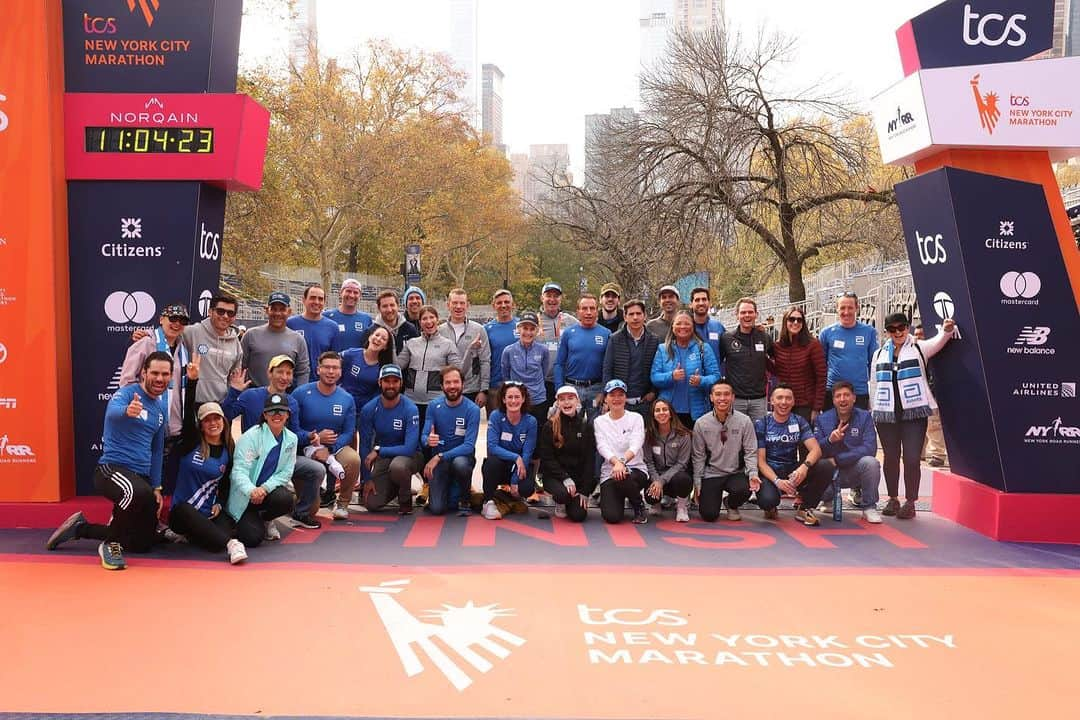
<point>896,328</point>
<point>847,294</point>
<point>222,312</point>
<point>513,383</point>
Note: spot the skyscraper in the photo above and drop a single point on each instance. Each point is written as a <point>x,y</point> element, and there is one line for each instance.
<point>595,128</point>
<point>535,173</point>
<point>463,42</point>
<point>304,33</point>
<point>492,105</point>
<point>1072,29</point>
<point>660,18</point>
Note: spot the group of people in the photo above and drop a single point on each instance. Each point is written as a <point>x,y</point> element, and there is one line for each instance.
<point>604,401</point>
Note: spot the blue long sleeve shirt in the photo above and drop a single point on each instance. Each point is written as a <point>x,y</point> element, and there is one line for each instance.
<point>581,354</point>
<point>860,438</point>
<point>358,378</point>
<point>848,354</point>
<point>319,336</point>
<point>456,426</point>
<point>507,441</point>
<point>395,430</point>
<point>349,328</point>
<point>336,411</point>
<point>501,335</point>
<point>248,405</point>
<point>529,366</point>
<point>136,443</point>
<point>710,333</point>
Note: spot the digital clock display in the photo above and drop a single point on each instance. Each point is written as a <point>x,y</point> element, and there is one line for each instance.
<point>150,140</point>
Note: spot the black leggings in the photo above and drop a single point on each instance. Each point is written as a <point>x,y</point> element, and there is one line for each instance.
<point>902,439</point>
<point>251,528</point>
<point>614,494</point>
<point>584,485</point>
<point>496,472</point>
<point>134,515</point>
<point>210,534</point>
<point>712,491</point>
<point>679,486</point>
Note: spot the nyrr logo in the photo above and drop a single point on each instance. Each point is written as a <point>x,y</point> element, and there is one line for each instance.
<point>992,29</point>
<point>148,7</point>
<point>1053,434</point>
<point>463,630</point>
<point>987,104</point>
<point>1031,341</point>
<point>15,454</point>
<point>930,250</point>
<point>899,124</point>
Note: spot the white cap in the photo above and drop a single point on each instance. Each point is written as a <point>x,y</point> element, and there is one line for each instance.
<point>567,390</point>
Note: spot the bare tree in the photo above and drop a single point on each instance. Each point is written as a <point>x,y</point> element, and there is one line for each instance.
<point>721,137</point>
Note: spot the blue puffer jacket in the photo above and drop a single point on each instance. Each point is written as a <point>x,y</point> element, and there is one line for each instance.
<point>697,357</point>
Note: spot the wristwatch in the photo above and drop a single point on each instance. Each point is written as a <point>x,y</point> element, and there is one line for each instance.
<point>807,464</point>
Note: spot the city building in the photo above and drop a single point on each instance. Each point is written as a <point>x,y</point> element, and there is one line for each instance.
<point>596,126</point>
<point>491,117</point>
<point>304,33</point>
<point>1072,27</point>
<point>463,52</point>
<point>535,173</point>
<point>660,18</point>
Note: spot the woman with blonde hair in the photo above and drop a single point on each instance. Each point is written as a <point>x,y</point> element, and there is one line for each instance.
<point>567,452</point>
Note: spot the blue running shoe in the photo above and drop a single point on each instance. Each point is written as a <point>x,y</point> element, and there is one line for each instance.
<point>112,556</point>
<point>69,530</point>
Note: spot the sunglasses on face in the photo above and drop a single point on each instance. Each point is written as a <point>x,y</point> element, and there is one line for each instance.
<point>275,412</point>
<point>795,320</point>
<point>222,312</point>
<point>896,328</point>
<point>178,319</point>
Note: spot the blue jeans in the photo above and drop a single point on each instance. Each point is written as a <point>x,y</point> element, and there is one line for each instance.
<point>588,395</point>
<point>865,475</point>
<point>457,472</point>
<point>307,480</point>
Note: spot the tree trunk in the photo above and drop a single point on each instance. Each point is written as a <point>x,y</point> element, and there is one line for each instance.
<point>796,287</point>
<point>354,255</point>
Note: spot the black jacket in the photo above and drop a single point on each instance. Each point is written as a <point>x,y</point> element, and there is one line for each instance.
<point>617,362</point>
<point>576,458</point>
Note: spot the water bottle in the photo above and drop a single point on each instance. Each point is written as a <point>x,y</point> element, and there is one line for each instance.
<point>837,501</point>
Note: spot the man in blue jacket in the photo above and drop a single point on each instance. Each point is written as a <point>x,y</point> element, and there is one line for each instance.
<point>846,434</point>
<point>389,440</point>
<point>450,428</point>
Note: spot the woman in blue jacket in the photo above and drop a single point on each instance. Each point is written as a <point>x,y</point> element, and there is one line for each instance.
<point>511,440</point>
<point>206,455</point>
<point>265,457</point>
<point>684,370</point>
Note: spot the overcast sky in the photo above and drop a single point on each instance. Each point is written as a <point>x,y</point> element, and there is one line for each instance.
<point>564,59</point>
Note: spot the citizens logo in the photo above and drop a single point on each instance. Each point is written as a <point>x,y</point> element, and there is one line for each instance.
<point>987,105</point>
<point>1045,389</point>
<point>1020,288</point>
<point>1005,241</point>
<point>8,403</point>
<point>452,643</point>
<point>1032,341</point>
<point>148,8</point>
<point>14,454</point>
<point>131,229</point>
<point>993,29</point>
<point>130,307</point>
<point>1056,433</point>
<point>930,250</point>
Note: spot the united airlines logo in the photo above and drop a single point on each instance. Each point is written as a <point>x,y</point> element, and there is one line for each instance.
<point>987,104</point>
<point>462,630</point>
<point>148,8</point>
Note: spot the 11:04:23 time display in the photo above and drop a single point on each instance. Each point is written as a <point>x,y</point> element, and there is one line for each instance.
<point>149,140</point>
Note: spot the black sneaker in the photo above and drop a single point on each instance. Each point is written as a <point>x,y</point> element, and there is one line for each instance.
<point>641,516</point>
<point>68,530</point>
<point>404,509</point>
<point>464,509</point>
<point>328,498</point>
<point>891,507</point>
<point>310,522</point>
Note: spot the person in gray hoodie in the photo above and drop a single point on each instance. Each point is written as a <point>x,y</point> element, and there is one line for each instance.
<point>389,318</point>
<point>216,341</point>
<point>422,359</point>
<point>471,340</point>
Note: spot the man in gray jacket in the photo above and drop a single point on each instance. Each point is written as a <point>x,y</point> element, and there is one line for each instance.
<point>265,342</point>
<point>472,344</point>
<point>725,456</point>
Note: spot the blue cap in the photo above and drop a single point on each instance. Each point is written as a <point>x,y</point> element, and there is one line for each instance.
<point>279,297</point>
<point>614,384</point>
<point>551,286</point>
<point>389,371</point>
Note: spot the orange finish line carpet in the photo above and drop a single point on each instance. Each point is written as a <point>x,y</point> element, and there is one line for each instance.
<point>350,623</point>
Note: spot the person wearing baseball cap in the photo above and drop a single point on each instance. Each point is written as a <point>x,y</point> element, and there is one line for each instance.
<point>167,338</point>
<point>669,298</point>
<point>263,465</point>
<point>567,453</point>
<point>552,323</point>
<point>611,315</point>
<point>389,441</point>
<point>351,322</point>
<point>529,362</point>
<point>620,442</point>
<point>262,343</point>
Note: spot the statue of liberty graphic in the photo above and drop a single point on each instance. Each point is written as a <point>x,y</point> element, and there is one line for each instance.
<point>463,631</point>
<point>988,106</point>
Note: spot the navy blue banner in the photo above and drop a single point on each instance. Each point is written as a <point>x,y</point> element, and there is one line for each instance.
<point>134,247</point>
<point>151,45</point>
<point>983,251</point>
<point>977,32</point>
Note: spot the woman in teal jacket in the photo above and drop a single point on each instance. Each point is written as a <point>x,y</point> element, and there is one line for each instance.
<point>684,369</point>
<point>265,456</point>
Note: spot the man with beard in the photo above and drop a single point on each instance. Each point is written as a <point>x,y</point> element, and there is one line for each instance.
<point>611,315</point>
<point>660,326</point>
<point>389,439</point>
<point>450,431</point>
<point>392,320</point>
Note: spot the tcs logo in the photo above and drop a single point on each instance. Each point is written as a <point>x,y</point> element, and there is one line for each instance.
<point>993,29</point>
<point>98,25</point>
<point>930,250</point>
<point>209,244</point>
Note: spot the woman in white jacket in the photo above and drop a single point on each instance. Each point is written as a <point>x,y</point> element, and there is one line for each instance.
<point>902,403</point>
<point>423,358</point>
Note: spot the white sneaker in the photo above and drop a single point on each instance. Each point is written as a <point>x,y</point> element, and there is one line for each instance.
<point>341,512</point>
<point>560,510</point>
<point>272,532</point>
<point>654,510</point>
<point>490,512</point>
<point>237,551</point>
<point>733,514</point>
<point>681,512</point>
<point>871,515</point>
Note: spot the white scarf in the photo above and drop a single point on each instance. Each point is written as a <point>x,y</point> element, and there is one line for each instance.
<point>916,400</point>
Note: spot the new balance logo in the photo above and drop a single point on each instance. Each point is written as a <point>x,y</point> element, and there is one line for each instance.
<point>1033,336</point>
<point>462,629</point>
